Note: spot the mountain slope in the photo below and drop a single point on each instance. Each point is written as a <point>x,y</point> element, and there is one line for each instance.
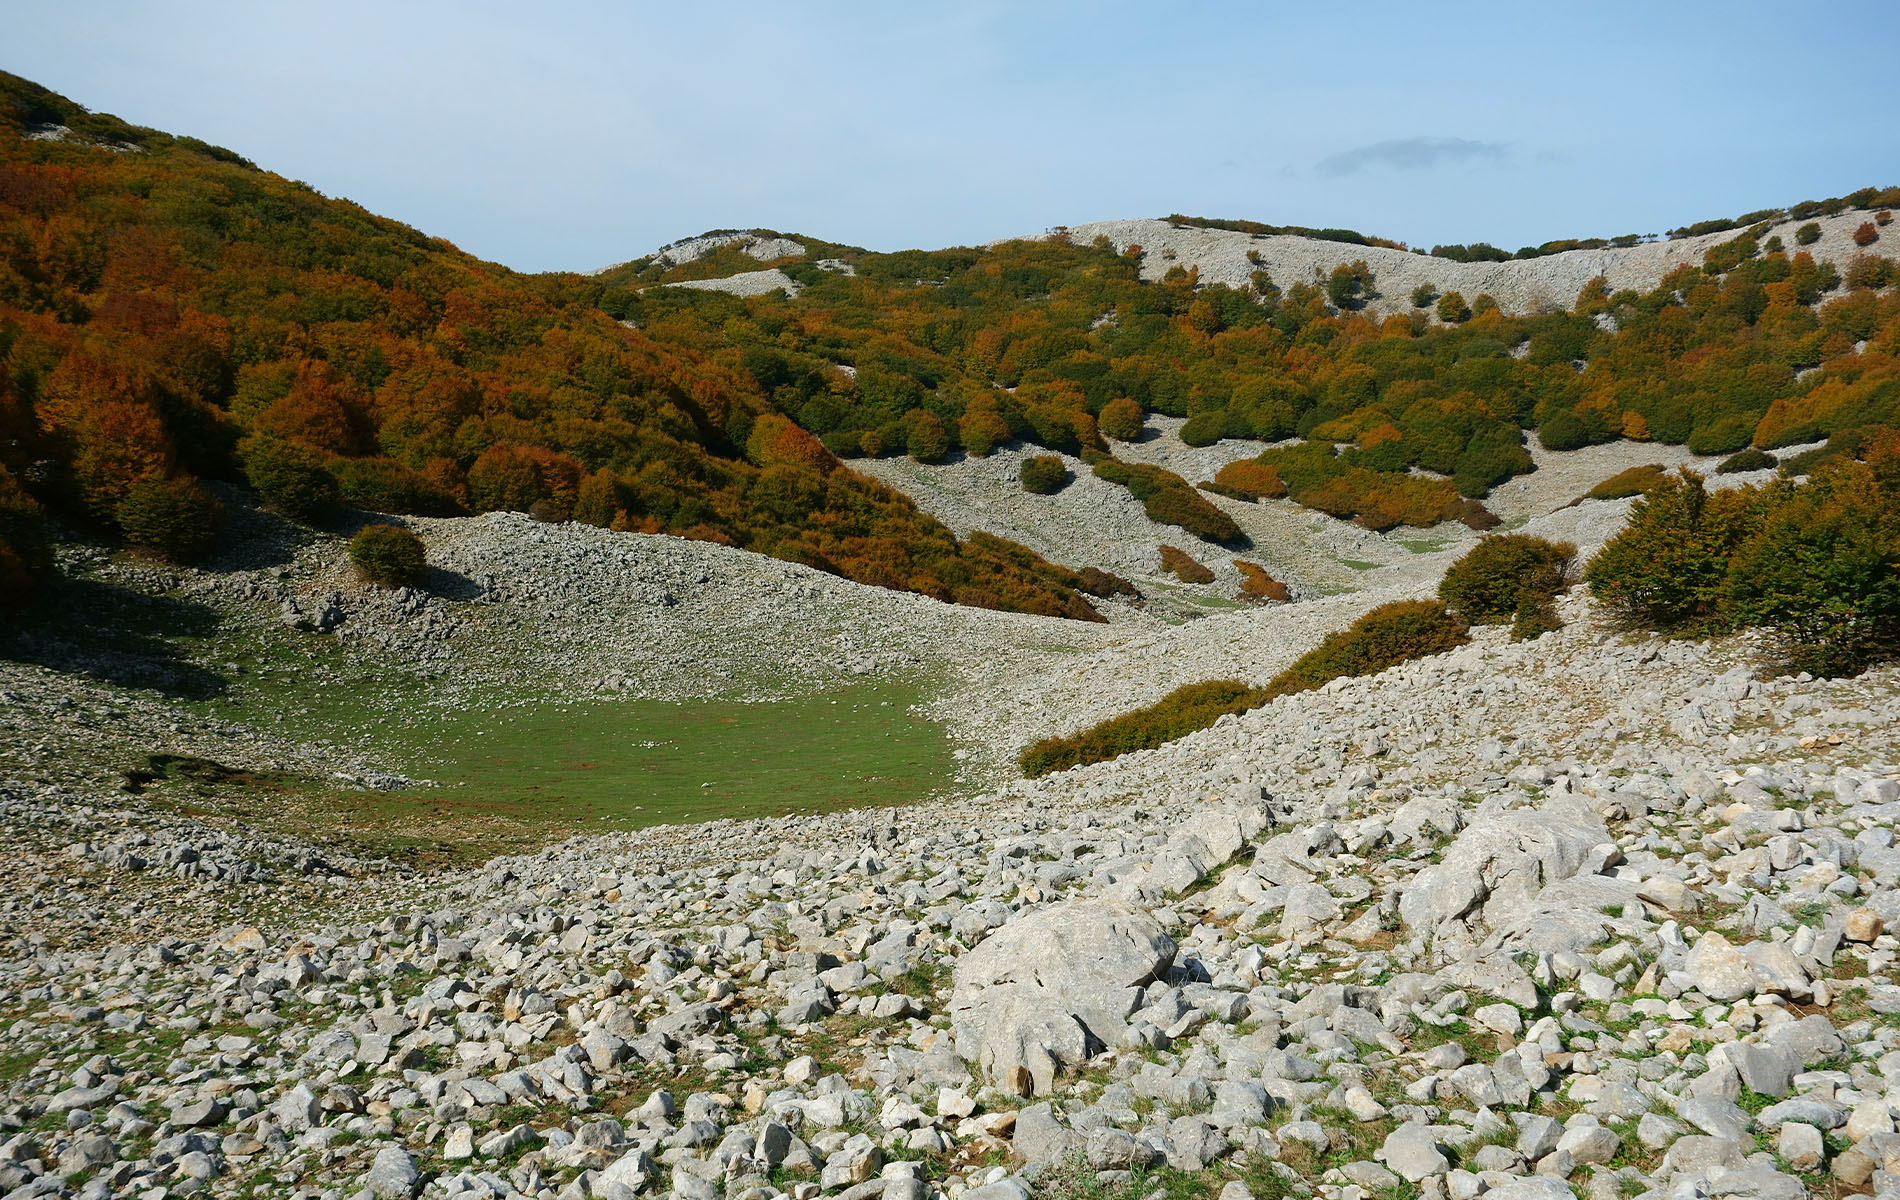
<point>169,311</point>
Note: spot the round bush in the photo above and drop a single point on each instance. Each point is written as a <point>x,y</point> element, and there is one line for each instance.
<point>173,516</point>
<point>1205,428</point>
<point>388,555</point>
<point>1808,234</point>
<point>1750,459</point>
<point>291,479</point>
<point>1120,419</point>
<point>1044,475</point>
<point>1490,583</point>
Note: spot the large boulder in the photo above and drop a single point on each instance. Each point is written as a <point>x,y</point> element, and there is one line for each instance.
<point>1496,868</point>
<point>1051,988</point>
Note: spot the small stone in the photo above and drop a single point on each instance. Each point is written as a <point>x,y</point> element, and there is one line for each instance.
<point>1802,1146</point>
<point>1862,925</point>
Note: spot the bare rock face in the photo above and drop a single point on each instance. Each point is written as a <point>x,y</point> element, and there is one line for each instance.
<point>1046,991</point>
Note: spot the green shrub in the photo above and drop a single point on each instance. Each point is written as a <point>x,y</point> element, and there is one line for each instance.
<point>172,515</point>
<point>1205,428</point>
<point>1452,309</point>
<point>1494,454</point>
<point>1044,475</point>
<point>26,557</point>
<point>925,437</point>
<point>1536,615</point>
<point>1724,435</point>
<point>1823,570</point>
<point>1120,419</point>
<point>385,485</point>
<point>1385,637</point>
<point>1808,234</point>
<point>1750,459</point>
<point>1424,295</point>
<point>1184,566</point>
<point>388,555</point>
<point>1624,484</point>
<point>1168,499</point>
<point>1490,582</point>
<point>1668,569</point>
<point>292,479</point>
<point>1179,713</point>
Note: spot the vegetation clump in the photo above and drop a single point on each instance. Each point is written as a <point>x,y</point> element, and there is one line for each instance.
<point>1633,482</point>
<point>1385,637</point>
<point>1169,499</point>
<point>1256,583</point>
<point>1043,475</point>
<point>174,516</point>
<point>1121,419</point>
<point>1492,581</point>
<point>26,557</point>
<point>1750,459</point>
<point>1817,563</point>
<point>1184,566</point>
<point>292,479</point>
<point>389,555</point>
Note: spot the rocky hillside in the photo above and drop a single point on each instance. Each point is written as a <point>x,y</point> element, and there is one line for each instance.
<point>1590,912</point>
<point>1545,284</point>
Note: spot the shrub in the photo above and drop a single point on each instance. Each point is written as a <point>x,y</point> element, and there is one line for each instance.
<point>1423,295</point>
<point>1385,637</point>
<point>1205,428</point>
<point>1179,713</point>
<point>1536,615</point>
<point>981,429</point>
<point>1883,218</point>
<point>510,478</point>
<point>1723,435</point>
<point>1473,515</point>
<point>1823,571</point>
<point>1044,475</point>
<point>385,485</point>
<point>1873,271</point>
<point>1120,419</point>
<point>1184,566</point>
<point>172,515</point>
<point>1452,309</point>
<point>1169,500</point>
<point>1255,582</point>
<point>292,479</point>
<point>26,558</point>
<point>1867,234</point>
<point>1668,569</point>
<point>1249,479</point>
<point>1808,234</point>
<point>1490,582</point>
<point>1624,484</point>
<point>1093,581</point>
<point>388,555</point>
<point>1750,459</point>
<point>925,437</point>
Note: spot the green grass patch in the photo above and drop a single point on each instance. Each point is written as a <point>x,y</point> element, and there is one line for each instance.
<point>518,775</point>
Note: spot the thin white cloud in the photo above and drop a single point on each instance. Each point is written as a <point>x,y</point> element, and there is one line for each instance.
<point>1411,154</point>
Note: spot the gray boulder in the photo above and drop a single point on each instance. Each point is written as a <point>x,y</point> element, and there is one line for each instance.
<point>1044,992</point>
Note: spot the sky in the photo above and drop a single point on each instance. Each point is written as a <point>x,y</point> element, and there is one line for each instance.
<point>566,136</point>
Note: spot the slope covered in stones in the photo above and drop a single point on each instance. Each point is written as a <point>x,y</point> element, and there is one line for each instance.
<point>1589,911</point>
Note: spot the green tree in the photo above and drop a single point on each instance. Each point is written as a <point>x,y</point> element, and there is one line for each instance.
<point>1669,568</point>
<point>388,555</point>
<point>291,478</point>
<point>172,515</point>
<point>1121,419</point>
<point>1452,309</point>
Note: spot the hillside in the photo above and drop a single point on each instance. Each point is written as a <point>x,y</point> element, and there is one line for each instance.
<point>168,312</point>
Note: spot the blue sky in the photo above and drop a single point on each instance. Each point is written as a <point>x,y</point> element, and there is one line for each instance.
<point>569,135</point>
